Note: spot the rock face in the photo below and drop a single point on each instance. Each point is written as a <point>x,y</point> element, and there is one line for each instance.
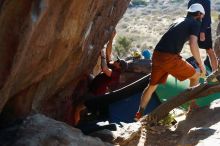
<point>122,136</point>
<point>47,49</point>
<point>38,130</point>
<point>217,41</point>
<point>136,70</point>
<point>217,46</point>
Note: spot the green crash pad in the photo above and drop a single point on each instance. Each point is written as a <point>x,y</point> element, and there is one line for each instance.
<point>173,87</point>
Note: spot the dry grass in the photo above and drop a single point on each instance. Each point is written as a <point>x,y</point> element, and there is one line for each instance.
<point>146,25</point>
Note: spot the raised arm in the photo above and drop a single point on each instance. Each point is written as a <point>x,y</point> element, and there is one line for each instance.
<point>109,47</point>
<point>104,65</point>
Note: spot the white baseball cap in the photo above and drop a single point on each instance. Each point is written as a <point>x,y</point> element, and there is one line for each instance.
<point>196,7</point>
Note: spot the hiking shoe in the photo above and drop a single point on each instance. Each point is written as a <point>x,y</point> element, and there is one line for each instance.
<point>138,115</point>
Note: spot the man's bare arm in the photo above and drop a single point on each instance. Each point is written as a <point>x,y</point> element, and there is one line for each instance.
<point>104,65</point>
<point>195,52</point>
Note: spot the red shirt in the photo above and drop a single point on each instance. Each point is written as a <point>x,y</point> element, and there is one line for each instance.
<point>101,82</point>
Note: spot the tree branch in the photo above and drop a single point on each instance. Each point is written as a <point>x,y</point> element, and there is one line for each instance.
<point>202,90</point>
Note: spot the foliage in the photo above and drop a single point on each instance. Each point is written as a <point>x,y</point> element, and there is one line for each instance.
<point>139,2</point>
<point>169,120</point>
<point>176,1</point>
<point>215,15</point>
<point>122,46</point>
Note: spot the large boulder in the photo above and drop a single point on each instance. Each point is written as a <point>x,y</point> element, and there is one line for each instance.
<point>39,130</point>
<point>217,41</point>
<point>47,49</point>
<point>217,46</point>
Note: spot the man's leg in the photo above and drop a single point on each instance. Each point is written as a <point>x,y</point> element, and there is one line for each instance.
<point>184,71</point>
<point>145,98</point>
<point>213,59</point>
<point>194,80</point>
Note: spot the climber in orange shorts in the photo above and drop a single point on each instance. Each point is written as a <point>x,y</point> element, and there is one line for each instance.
<point>166,57</point>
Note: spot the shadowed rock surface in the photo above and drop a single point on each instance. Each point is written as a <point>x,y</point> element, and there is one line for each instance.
<point>217,41</point>
<point>38,130</point>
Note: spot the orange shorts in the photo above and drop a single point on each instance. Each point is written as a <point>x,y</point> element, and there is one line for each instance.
<point>164,64</point>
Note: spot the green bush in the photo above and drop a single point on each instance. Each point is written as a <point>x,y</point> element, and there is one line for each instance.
<point>122,46</point>
<point>139,2</point>
<point>176,1</point>
<point>169,120</point>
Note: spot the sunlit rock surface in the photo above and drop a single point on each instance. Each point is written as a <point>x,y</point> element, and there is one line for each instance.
<point>47,47</point>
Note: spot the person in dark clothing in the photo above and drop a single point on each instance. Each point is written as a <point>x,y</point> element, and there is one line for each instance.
<point>111,70</point>
<point>166,57</point>
<point>205,37</point>
<point>109,76</point>
<point>100,84</point>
